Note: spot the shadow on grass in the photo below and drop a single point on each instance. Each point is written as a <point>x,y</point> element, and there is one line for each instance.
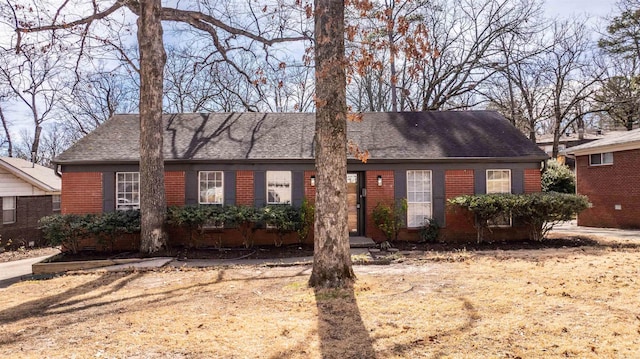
<point>340,327</point>
<point>433,340</point>
<point>568,241</point>
<point>75,304</point>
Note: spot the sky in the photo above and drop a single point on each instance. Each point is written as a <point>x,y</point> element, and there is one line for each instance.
<point>569,8</point>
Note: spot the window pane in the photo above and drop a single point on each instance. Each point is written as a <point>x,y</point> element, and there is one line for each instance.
<point>418,197</point>
<point>278,187</point>
<point>8,209</point>
<point>127,190</point>
<point>498,181</point>
<point>607,157</point>
<point>55,202</point>
<point>595,159</point>
<point>211,187</point>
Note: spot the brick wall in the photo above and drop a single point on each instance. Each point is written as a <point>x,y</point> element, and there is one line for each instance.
<point>29,210</point>
<point>459,224</point>
<point>532,180</point>
<point>375,195</point>
<point>309,191</point>
<point>174,184</point>
<point>608,186</point>
<point>244,188</point>
<point>81,192</point>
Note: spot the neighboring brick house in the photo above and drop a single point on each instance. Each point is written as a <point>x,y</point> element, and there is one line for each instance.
<point>608,172</point>
<point>28,192</point>
<point>259,159</point>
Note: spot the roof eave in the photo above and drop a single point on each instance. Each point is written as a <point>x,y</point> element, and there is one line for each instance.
<point>615,147</point>
<point>516,159</point>
<point>28,178</point>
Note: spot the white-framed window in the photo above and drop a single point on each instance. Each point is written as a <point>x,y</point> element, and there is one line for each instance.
<point>278,187</point>
<point>499,181</point>
<point>127,190</point>
<point>600,159</point>
<point>418,197</point>
<point>211,187</point>
<point>55,202</point>
<point>8,210</point>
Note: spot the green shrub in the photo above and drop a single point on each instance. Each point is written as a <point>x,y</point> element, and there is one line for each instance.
<point>67,229</point>
<point>540,211</point>
<point>558,178</point>
<point>107,226</point>
<point>307,216</point>
<point>283,218</point>
<point>390,218</point>
<point>429,232</point>
<point>196,218</point>
<point>246,219</point>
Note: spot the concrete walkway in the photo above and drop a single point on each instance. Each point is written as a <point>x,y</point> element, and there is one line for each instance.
<point>621,235</point>
<point>15,271</point>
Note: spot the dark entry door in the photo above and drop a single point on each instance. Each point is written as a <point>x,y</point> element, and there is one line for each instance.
<point>355,203</point>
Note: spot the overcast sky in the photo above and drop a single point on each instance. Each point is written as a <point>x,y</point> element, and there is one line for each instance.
<point>568,8</point>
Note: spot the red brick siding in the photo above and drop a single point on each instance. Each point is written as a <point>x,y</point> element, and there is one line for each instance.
<point>532,180</point>
<point>309,191</point>
<point>81,192</point>
<point>458,222</point>
<point>375,195</point>
<point>607,186</point>
<point>244,188</point>
<point>174,185</point>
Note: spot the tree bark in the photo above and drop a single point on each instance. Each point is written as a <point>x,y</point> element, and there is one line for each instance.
<point>152,194</point>
<point>7,134</point>
<point>331,258</point>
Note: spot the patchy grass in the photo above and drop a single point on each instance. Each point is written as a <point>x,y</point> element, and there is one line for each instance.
<point>571,302</point>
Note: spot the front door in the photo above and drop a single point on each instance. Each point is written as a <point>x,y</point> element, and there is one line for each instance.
<point>355,203</point>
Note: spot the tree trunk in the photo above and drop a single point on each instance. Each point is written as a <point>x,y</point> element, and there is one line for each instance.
<point>152,193</point>
<point>331,258</point>
<point>7,134</point>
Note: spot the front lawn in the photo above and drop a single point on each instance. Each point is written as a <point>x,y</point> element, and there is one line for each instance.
<point>557,302</point>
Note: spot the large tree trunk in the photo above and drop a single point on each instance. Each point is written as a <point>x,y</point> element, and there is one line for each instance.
<point>331,258</point>
<point>152,194</point>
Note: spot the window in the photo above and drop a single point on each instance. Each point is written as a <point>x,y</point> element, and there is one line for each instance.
<point>278,187</point>
<point>55,202</point>
<point>127,190</point>
<point>599,159</point>
<point>211,187</point>
<point>499,181</point>
<point>418,197</point>
<point>8,210</point>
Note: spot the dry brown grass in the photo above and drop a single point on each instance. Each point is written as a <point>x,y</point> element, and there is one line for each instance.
<point>530,304</point>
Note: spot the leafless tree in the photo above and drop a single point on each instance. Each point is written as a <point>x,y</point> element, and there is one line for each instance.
<point>94,98</point>
<point>237,27</point>
<point>571,75</point>
<point>32,78</point>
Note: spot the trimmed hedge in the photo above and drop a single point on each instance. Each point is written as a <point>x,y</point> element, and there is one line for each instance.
<point>69,229</point>
<point>539,211</point>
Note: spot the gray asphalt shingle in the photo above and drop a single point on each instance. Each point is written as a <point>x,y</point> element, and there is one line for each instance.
<point>264,136</point>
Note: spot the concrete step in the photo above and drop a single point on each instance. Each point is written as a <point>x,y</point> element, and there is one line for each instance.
<point>361,242</point>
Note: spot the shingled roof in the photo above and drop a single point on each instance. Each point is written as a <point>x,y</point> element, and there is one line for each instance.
<point>482,135</point>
